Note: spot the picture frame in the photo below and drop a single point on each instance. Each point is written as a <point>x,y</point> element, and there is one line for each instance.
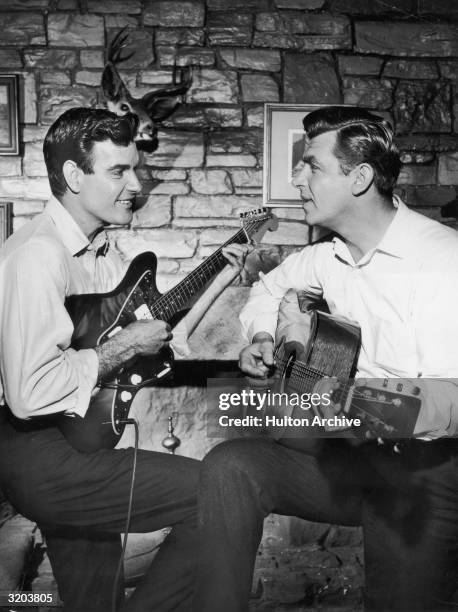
<point>9,138</point>
<point>283,148</point>
<point>6,220</point>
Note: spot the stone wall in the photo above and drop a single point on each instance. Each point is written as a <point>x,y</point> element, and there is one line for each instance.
<point>399,57</point>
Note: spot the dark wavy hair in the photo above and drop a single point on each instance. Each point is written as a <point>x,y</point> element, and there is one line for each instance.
<point>360,137</point>
<point>73,134</point>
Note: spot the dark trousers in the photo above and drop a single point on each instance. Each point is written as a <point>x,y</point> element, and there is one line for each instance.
<point>80,502</point>
<point>407,504</point>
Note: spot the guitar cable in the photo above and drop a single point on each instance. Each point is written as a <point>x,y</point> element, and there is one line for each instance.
<point>129,514</point>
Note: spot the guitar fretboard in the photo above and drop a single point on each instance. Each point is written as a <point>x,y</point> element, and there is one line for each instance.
<point>178,297</point>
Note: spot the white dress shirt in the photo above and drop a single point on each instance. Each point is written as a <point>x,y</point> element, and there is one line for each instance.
<point>403,295</point>
<point>41,264</point>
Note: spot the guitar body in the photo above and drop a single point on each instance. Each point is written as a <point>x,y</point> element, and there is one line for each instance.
<point>386,408</point>
<point>96,317</point>
<point>332,350</point>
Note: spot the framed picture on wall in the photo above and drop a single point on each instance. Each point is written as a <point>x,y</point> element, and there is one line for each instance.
<point>9,141</point>
<point>283,148</point>
<point>6,220</point>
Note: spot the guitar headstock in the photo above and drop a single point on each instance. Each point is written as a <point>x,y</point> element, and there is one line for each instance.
<point>387,408</point>
<point>258,221</point>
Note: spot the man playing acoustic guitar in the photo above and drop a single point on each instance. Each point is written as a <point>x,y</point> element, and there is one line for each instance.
<point>79,499</point>
<point>394,273</point>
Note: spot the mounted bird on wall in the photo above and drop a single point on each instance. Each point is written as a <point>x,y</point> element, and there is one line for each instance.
<point>152,108</point>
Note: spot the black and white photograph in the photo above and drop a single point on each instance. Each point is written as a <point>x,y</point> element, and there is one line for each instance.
<point>228,292</point>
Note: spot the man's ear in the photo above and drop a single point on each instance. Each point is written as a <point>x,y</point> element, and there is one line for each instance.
<point>72,174</point>
<point>363,178</point>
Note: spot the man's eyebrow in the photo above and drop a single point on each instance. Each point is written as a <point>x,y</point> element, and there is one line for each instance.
<point>309,159</point>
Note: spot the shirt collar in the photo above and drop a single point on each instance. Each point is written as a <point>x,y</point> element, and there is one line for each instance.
<point>394,241</point>
<point>71,233</point>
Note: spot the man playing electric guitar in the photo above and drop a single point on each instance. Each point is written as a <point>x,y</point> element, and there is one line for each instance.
<point>79,499</point>
<point>394,273</point>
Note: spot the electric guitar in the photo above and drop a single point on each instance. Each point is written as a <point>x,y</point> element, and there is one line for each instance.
<point>98,317</point>
<point>386,408</point>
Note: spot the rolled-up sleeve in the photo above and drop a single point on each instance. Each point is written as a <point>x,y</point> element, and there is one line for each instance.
<point>298,271</point>
<point>41,374</point>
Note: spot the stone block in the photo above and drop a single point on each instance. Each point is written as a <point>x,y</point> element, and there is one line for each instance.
<point>232,28</point>
<point>61,59</point>
<point>88,77</point>
<point>273,40</point>
<point>10,166</point>
<point>432,7</point>
<point>154,212</point>
<point>325,24</point>
<point>397,8</point>
<point>288,233</point>
<point>27,5</point>
<point>140,43</point>
<point>199,222</point>
<point>432,142</point>
<point>372,93</point>
<point>243,6</point>
<point>75,30</point>
<point>10,59</point>
<point>406,39</point>
<point>245,141</point>
<point>311,79</point>
<point>119,21</point>
<point>254,59</point>
<point>27,208</point>
<point>259,87</point>
<point>164,243</point>
<point>449,69</point>
<point>417,175</point>
<point>228,160</point>
<point>156,77</point>
<point>448,169</point>
<point>199,116</point>
<point>255,116</point>
<point>422,107</point>
<point>56,100</point>
<point>210,181</point>
<point>170,13</point>
<point>170,188</point>
<point>216,206</point>
<point>67,5</point>
<point>178,150</point>
<point>34,133</point>
<point>57,77</point>
<point>192,56</point>
<point>114,6</point>
<point>27,97</point>
<point>92,59</point>
<point>216,86</point>
<point>359,64</point>
<point>34,164</point>
<point>410,69</point>
<point>247,178</point>
<point>25,188</point>
<point>169,175</point>
<point>180,36</point>
<point>304,5</point>
<point>22,29</point>
<point>417,158</point>
<point>425,196</point>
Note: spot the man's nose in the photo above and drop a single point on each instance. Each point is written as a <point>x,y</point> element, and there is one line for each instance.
<point>133,183</point>
<point>299,174</point>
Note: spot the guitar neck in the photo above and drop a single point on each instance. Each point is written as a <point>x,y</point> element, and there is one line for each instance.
<point>177,298</point>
